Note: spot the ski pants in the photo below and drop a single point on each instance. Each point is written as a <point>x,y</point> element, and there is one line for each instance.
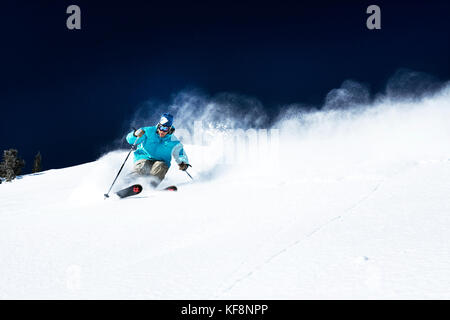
<point>154,168</point>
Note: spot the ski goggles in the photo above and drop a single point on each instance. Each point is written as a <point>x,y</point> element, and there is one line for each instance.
<point>163,128</point>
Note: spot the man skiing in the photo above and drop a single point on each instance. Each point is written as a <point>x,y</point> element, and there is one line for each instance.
<point>155,147</point>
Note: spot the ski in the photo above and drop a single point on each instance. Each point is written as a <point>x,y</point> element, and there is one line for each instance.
<point>130,191</point>
<point>137,188</point>
<point>170,188</point>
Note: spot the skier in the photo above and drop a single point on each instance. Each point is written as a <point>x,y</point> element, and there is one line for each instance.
<point>155,147</point>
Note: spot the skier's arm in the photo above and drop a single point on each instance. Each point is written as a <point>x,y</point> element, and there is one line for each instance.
<point>179,154</point>
<point>131,137</point>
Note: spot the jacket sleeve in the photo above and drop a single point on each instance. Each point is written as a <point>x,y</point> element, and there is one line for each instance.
<point>131,138</point>
<point>179,154</point>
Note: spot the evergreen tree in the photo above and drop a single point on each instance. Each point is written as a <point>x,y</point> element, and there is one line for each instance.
<point>37,165</point>
<point>12,165</point>
<point>2,170</point>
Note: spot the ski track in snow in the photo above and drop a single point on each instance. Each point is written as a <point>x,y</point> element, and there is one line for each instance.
<point>295,243</point>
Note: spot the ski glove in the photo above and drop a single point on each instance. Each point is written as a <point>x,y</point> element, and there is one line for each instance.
<point>183,166</point>
<point>139,133</point>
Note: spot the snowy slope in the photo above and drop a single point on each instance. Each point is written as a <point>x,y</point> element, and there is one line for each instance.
<point>356,206</point>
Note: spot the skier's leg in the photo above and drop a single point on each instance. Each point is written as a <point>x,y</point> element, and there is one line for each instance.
<point>142,167</point>
<point>158,170</point>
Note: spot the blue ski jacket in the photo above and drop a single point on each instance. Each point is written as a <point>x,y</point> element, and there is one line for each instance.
<point>152,147</point>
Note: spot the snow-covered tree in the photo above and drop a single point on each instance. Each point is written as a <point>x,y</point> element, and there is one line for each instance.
<point>12,165</point>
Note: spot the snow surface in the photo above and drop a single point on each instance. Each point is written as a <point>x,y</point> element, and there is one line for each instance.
<point>356,206</point>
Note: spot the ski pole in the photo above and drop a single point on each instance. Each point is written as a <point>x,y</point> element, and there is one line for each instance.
<point>120,170</point>
<point>188,172</point>
<point>189,175</point>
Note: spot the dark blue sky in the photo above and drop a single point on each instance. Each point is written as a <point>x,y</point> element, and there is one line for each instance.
<point>67,93</point>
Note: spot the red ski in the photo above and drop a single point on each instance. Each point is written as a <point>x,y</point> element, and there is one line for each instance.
<point>130,191</point>
<point>137,188</point>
